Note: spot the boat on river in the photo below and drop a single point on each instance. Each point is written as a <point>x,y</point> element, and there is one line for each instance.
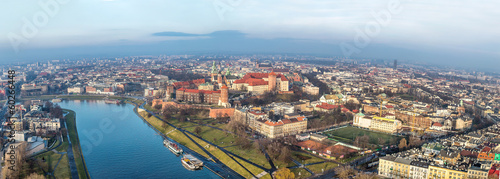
<point>112,101</point>
<point>174,148</point>
<point>191,163</point>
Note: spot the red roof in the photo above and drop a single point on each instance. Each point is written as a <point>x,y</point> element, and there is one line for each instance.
<point>310,145</point>
<point>187,83</point>
<point>257,112</point>
<point>274,123</point>
<point>249,77</point>
<point>327,106</point>
<point>486,149</point>
<point>437,124</point>
<point>197,91</point>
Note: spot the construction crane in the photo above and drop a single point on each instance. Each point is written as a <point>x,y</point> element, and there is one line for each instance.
<point>413,125</point>
<point>382,100</point>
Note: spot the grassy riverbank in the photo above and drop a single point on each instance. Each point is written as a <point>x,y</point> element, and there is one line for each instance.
<point>62,169</point>
<point>75,141</point>
<point>219,154</point>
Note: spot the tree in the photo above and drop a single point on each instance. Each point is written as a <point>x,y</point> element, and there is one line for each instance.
<point>197,130</point>
<point>57,112</point>
<point>284,173</point>
<point>243,142</point>
<point>285,155</point>
<point>362,141</point>
<point>19,157</point>
<point>415,141</point>
<point>158,106</point>
<point>182,118</point>
<point>351,105</point>
<point>381,141</point>
<point>149,115</point>
<point>344,172</point>
<point>164,125</point>
<point>48,105</point>
<point>402,144</point>
<point>166,115</point>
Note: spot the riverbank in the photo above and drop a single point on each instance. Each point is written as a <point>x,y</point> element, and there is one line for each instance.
<point>196,144</point>
<point>70,121</point>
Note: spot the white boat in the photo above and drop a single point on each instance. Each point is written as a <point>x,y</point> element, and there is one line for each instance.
<point>56,100</point>
<point>173,147</point>
<point>190,162</point>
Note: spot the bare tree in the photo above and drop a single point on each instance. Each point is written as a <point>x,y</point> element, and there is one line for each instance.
<point>344,172</point>
<point>197,130</point>
<point>402,144</point>
<point>415,141</point>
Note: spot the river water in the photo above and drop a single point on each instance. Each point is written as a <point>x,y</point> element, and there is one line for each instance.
<point>116,143</point>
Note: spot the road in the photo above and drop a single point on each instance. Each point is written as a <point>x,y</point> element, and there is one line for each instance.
<point>71,157</point>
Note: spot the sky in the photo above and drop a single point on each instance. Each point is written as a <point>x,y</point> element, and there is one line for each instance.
<point>464,33</point>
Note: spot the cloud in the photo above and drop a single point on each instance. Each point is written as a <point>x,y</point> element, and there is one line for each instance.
<point>215,34</point>
<point>176,34</point>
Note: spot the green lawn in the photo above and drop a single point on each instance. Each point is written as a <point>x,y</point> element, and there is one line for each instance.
<point>316,168</point>
<point>51,158</point>
<point>301,173</point>
<point>77,151</point>
<point>221,138</point>
<point>151,108</point>
<point>348,134</point>
<point>407,97</point>
<point>305,158</point>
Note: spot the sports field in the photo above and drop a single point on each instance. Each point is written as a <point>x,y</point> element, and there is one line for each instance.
<point>348,134</point>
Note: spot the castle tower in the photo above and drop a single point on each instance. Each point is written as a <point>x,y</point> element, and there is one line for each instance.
<point>169,92</point>
<point>219,79</point>
<point>272,81</point>
<point>224,93</point>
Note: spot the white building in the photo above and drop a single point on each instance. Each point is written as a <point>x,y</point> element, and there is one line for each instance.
<point>360,120</point>
<point>78,90</point>
<point>418,170</point>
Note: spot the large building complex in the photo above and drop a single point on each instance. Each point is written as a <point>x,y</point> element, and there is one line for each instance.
<point>262,82</point>
<point>260,121</point>
<point>376,123</point>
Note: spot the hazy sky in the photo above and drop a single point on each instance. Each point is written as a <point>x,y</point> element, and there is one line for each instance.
<point>446,30</point>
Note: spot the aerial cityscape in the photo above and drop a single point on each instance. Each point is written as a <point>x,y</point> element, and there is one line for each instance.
<point>243,89</point>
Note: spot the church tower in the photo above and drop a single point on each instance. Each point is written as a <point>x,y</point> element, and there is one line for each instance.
<point>219,79</point>
<point>214,71</point>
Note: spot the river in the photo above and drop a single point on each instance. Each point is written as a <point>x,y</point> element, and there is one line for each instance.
<point>116,143</point>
